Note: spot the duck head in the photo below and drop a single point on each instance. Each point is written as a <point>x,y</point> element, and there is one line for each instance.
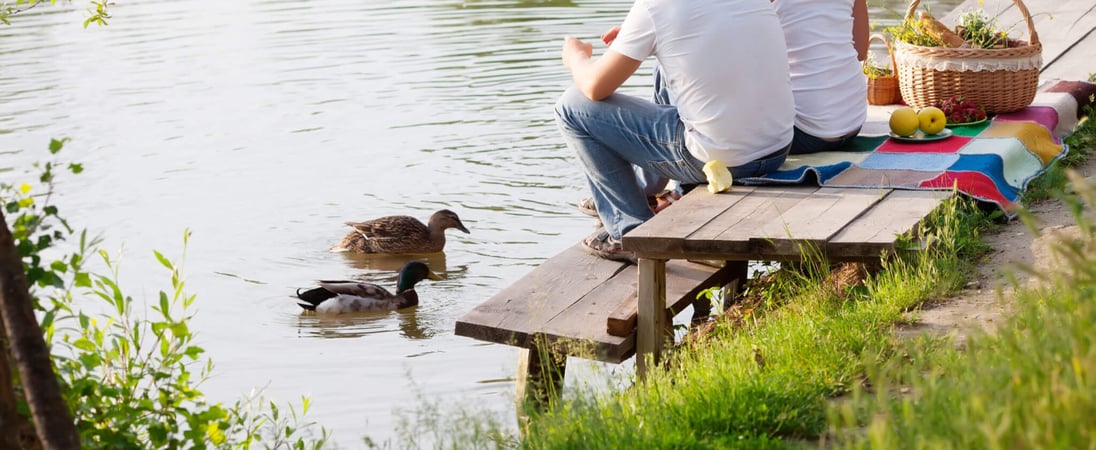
<point>447,219</point>
<point>412,273</point>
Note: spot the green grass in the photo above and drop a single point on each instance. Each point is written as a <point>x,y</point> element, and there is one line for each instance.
<point>1029,385</point>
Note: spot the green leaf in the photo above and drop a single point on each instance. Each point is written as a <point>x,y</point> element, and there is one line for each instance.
<point>163,260</point>
<point>55,145</point>
<point>82,279</point>
<point>76,168</point>
<point>158,328</point>
<point>84,344</point>
<point>193,351</point>
<point>179,329</point>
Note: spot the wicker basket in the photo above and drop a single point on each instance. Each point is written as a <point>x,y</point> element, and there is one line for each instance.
<point>884,90</point>
<point>1000,80</point>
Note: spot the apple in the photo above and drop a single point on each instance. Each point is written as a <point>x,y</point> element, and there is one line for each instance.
<point>931,120</point>
<point>904,121</point>
<point>719,178</point>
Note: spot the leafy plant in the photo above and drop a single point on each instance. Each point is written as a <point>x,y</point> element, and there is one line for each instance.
<point>128,376</point>
<point>915,32</point>
<point>873,70</point>
<point>97,13</point>
<point>980,30</point>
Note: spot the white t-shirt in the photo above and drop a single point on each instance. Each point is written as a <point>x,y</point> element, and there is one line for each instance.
<point>726,69</point>
<point>827,78</point>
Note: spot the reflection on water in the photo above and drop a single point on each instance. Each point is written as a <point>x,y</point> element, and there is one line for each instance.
<point>356,325</point>
<point>393,263</point>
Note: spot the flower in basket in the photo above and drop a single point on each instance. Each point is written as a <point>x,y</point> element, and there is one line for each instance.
<point>873,70</point>
<point>959,110</point>
<point>980,31</point>
<point>975,30</point>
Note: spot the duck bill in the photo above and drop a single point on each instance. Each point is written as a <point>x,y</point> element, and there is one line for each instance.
<point>434,276</point>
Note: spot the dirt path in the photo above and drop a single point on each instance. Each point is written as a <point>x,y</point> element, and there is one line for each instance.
<point>987,299</point>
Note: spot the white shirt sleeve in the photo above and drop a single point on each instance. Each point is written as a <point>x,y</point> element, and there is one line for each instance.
<point>636,39</point>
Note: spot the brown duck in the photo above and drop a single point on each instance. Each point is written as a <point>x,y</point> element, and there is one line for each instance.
<point>400,234</point>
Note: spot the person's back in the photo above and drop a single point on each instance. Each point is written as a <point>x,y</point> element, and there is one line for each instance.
<point>824,53</point>
<point>724,65</point>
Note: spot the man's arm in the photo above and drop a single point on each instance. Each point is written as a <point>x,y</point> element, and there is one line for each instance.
<point>599,78</point>
<point>861,29</point>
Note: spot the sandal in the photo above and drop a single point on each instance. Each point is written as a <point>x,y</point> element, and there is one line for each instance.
<point>663,200</point>
<point>657,202</point>
<point>601,245</point>
<point>586,206</point>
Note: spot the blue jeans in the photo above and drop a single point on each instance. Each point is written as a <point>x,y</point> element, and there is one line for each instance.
<point>613,135</point>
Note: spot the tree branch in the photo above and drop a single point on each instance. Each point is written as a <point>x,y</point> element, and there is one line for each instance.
<point>52,419</point>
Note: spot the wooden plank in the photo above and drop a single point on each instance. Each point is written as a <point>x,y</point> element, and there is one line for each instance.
<point>516,313</point>
<point>952,17</point>
<point>666,230</point>
<point>876,231</point>
<point>730,233</point>
<point>684,280</point>
<point>1075,63</point>
<point>811,222</point>
<point>581,329</point>
<point>1062,26</point>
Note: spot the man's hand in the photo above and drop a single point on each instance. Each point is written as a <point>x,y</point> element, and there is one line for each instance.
<point>610,35</point>
<point>576,52</point>
<point>599,78</point>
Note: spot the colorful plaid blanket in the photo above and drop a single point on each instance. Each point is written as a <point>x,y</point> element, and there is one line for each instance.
<point>992,161</point>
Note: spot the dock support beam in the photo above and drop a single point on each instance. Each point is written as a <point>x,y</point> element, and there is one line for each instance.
<point>539,380</point>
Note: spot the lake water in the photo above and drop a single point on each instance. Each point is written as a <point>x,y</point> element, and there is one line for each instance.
<point>263,125</point>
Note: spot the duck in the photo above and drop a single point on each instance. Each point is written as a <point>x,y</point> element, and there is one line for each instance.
<point>400,234</point>
<point>338,297</point>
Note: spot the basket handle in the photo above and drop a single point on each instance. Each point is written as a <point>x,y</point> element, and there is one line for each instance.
<point>1034,37</point>
<point>881,37</point>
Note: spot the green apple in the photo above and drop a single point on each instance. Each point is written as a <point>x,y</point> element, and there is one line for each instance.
<point>932,120</point>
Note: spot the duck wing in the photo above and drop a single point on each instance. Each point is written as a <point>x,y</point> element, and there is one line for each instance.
<point>355,288</point>
<point>392,234</point>
<point>391,227</point>
<point>346,296</point>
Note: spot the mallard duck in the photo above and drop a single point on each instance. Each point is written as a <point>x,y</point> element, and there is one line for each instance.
<point>337,297</point>
<point>400,234</point>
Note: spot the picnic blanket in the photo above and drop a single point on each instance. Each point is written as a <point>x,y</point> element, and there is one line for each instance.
<point>992,161</point>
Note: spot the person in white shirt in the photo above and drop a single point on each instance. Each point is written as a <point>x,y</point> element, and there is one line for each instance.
<point>724,67</point>
<point>827,41</point>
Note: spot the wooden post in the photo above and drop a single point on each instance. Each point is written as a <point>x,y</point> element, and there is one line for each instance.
<point>652,324</point>
<point>539,379</point>
<point>740,271</point>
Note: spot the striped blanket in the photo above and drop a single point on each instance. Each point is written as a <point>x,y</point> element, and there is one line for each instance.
<point>992,161</point>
